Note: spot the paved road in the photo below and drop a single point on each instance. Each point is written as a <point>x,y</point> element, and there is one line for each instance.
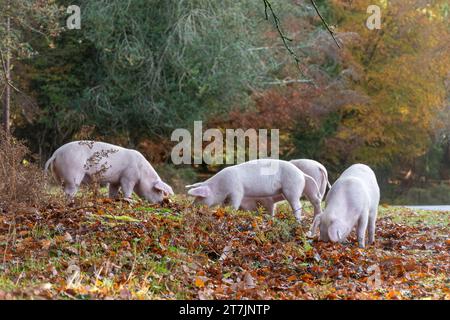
<point>434,208</point>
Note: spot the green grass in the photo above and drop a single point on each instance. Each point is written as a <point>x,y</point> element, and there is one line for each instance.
<point>416,217</point>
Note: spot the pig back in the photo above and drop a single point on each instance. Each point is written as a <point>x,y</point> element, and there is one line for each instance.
<point>311,168</point>
<point>266,177</point>
<point>105,160</point>
<point>347,199</point>
<point>368,179</point>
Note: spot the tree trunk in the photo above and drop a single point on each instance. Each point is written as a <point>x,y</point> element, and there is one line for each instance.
<point>7,102</point>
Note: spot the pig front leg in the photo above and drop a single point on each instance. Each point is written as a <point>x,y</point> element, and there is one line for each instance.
<point>113,190</point>
<point>127,186</point>
<point>271,208</point>
<point>361,230</point>
<point>236,199</point>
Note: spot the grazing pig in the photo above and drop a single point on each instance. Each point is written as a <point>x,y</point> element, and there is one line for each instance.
<point>352,201</point>
<point>316,178</point>
<point>253,179</point>
<point>317,171</point>
<point>84,161</point>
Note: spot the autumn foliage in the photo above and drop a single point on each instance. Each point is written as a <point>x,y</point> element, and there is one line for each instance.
<point>382,99</point>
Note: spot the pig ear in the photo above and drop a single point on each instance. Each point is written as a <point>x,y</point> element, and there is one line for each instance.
<point>333,233</point>
<point>164,187</point>
<point>202,191</point>
<point>194,185</point>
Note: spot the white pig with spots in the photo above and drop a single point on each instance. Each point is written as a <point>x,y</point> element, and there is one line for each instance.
<point>83,161</point>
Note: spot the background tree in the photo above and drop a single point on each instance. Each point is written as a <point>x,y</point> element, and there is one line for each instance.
<point>402,68</point>
<point>139,69</point>
<point>17,19</point>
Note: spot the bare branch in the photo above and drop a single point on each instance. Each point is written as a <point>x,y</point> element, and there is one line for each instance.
<point>284,38</point>
<point>268,7</point>
<point>10,84</point>
<point>325,23</point>
<point>288,81</point>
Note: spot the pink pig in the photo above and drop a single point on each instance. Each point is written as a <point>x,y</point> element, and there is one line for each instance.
<point>253,179</point>
<point>316,178</point>
<point>351,202</point>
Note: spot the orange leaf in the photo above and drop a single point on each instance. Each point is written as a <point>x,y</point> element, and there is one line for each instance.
<point>393,294</point>
<point>292,278</point>
<point>307,276</point>
<point>199,283</point>
<point>219,213</point>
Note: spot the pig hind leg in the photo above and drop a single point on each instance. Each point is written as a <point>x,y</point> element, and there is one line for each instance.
<point>323,187</point>
<point>361,229</point>
<point>316,202</point>
<point>371,226</point>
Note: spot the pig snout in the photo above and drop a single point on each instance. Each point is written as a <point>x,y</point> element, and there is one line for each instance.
<point>337,232</point>
<point>155,196</point>
<point>204,201</point>
<point>199,201</point>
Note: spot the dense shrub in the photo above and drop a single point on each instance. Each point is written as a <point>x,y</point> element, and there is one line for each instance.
<point>22,183</point>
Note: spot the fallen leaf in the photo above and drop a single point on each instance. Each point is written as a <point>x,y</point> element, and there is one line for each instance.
<point>68,237</point>
<point>249,282</point>
<point>45,244</point>
<point>199,283</point>
<point>292,278</point>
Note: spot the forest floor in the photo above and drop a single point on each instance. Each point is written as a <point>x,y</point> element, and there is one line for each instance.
<point>105,249</point>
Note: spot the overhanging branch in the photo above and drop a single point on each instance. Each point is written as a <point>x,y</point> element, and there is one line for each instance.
<point>284,38</point>
<point>268,7</point>
<point>325,23</point>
